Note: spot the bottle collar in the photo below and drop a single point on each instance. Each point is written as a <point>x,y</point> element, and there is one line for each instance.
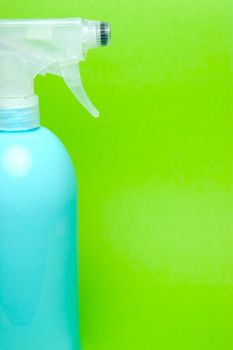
<point>19,114</point>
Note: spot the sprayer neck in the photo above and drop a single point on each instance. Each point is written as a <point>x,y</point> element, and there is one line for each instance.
<point>19,114</point>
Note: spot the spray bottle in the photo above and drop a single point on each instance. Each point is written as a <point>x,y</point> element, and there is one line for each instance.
<point>38,190</point>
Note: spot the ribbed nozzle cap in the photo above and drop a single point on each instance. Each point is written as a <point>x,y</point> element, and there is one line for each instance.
<point>105,33</point>
<point>96,33</point>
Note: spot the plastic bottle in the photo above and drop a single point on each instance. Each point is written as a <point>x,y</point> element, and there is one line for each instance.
<point>38,191</point>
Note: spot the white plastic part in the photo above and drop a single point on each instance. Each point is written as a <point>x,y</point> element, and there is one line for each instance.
<point>56,46</point>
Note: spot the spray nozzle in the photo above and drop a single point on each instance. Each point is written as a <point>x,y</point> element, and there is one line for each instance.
<point>56,46</point>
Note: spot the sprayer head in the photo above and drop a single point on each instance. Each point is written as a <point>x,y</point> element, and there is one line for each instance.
<point>40,46</point>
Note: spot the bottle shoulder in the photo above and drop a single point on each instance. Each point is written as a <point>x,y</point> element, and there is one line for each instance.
<point>40,147</point>
<point>41,140</point>
<point>41,134</point>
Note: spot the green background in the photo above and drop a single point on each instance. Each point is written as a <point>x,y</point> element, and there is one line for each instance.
<point>155,171</point>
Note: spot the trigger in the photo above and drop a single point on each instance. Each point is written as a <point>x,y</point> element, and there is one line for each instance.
<point>72,77</point>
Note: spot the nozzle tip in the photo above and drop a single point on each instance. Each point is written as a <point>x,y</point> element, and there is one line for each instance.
<point>105,33</point>
<point>96,33</point>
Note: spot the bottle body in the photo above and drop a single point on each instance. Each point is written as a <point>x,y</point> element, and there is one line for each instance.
<point>38,243</point>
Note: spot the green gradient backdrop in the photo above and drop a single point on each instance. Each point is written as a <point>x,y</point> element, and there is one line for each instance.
<point>155,171</point>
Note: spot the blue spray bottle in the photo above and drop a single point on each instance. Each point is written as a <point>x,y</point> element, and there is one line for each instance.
<point>38,192</point>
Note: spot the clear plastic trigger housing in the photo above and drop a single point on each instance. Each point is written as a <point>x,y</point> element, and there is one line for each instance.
<point>72,77</point>
<point>38,46</point>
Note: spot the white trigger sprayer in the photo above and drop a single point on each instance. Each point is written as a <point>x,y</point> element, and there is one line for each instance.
<point>37,46</point>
